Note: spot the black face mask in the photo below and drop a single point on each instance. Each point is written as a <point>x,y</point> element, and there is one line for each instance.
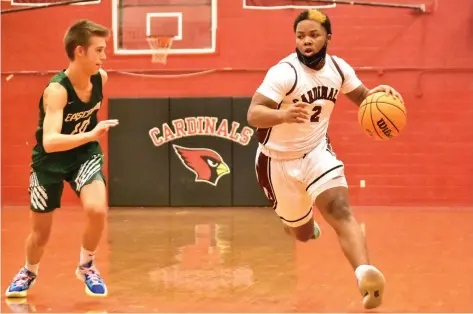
<point>314,60</point>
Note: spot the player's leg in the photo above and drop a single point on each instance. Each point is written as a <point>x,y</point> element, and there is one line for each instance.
<point>45,197</point>
<point>303,231</point>
<point>310,230</point>
<point>288,198</point>
<point>89,184</point>
<point>335,208</point>
<point>329,190</point>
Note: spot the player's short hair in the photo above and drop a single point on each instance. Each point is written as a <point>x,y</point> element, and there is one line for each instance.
<point>79,34</point>
<point>314,15</point>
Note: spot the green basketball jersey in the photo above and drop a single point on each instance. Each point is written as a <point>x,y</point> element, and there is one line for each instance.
<point>78,117</point>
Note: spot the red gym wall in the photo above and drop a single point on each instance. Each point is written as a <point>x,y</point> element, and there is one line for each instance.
<point>428,58</point>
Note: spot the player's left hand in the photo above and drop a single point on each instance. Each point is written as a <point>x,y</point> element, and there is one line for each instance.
<point>386,89</point>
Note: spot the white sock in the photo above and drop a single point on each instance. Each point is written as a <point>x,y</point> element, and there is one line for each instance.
<point>86,256</point>
<point>360,270</point>
<point>32,268</point>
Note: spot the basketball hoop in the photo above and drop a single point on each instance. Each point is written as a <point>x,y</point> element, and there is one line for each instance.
<point>160,46</point>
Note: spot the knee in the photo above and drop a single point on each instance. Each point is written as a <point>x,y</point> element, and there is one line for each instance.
<point>40,236</point>
<point>96,211</point>
<point>41,228</point>
<point>339,208</point>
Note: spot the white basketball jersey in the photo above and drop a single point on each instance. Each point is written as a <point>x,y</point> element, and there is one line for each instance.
<point>290,82</point>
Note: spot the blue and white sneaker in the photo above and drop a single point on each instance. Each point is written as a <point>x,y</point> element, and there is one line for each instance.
<point>94,284</point>
<point>21,283</point>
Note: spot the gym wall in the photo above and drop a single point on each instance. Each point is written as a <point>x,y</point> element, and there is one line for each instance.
<point>182,152</point>
<point>427,58</point>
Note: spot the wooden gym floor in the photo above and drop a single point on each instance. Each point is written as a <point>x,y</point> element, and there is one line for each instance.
<point>240,260</point>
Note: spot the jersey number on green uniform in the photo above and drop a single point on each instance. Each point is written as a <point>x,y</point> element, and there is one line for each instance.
<point>81,126</point>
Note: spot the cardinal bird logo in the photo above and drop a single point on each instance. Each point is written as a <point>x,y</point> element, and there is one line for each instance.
<point>207,165</point>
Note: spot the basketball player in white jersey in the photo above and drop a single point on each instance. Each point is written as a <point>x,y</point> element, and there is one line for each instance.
<point>295,164</point>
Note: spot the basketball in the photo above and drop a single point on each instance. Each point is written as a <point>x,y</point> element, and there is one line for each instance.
<point>382,116</point>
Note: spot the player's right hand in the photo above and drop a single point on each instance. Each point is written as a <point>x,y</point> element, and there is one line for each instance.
<point>298,113</point>
<point>102,127</point>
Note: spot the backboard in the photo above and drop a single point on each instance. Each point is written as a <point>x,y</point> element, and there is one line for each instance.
<point>193,25</point>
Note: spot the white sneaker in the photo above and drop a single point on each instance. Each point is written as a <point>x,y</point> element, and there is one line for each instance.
<point>317,231</point>
<point>371,286</point>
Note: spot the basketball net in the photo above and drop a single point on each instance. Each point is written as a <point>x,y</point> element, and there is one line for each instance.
<point>160,47</point>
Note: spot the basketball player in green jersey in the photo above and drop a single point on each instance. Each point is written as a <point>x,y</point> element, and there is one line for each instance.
<point>67,149</point>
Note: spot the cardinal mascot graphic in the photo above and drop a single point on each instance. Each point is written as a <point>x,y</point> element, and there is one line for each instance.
<point>207,165</point>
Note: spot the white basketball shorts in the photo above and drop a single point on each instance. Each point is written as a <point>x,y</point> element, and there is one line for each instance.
<point>293,185</point>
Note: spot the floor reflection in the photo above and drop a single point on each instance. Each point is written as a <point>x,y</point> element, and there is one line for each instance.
<point>240,260</point>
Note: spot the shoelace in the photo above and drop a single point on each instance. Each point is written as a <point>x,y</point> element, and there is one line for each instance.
<point>92,275</point>
<point>20,279</point>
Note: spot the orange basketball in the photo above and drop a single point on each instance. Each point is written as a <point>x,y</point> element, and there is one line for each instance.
<point>382,116</point>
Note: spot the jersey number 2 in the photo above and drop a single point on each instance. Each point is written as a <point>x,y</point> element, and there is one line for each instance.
<point>81,126</point>
<point>315,116</point>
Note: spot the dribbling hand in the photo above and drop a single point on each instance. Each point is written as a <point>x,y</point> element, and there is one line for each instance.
<point>102,127</point>
<point>298,113</point>
<point>386,89</point>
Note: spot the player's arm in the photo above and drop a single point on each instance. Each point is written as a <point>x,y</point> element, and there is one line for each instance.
<point>361,92</point>
<point>54,101</point>
<point>354,89</point>
<point>358,94</point>
<point>263,111</point>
